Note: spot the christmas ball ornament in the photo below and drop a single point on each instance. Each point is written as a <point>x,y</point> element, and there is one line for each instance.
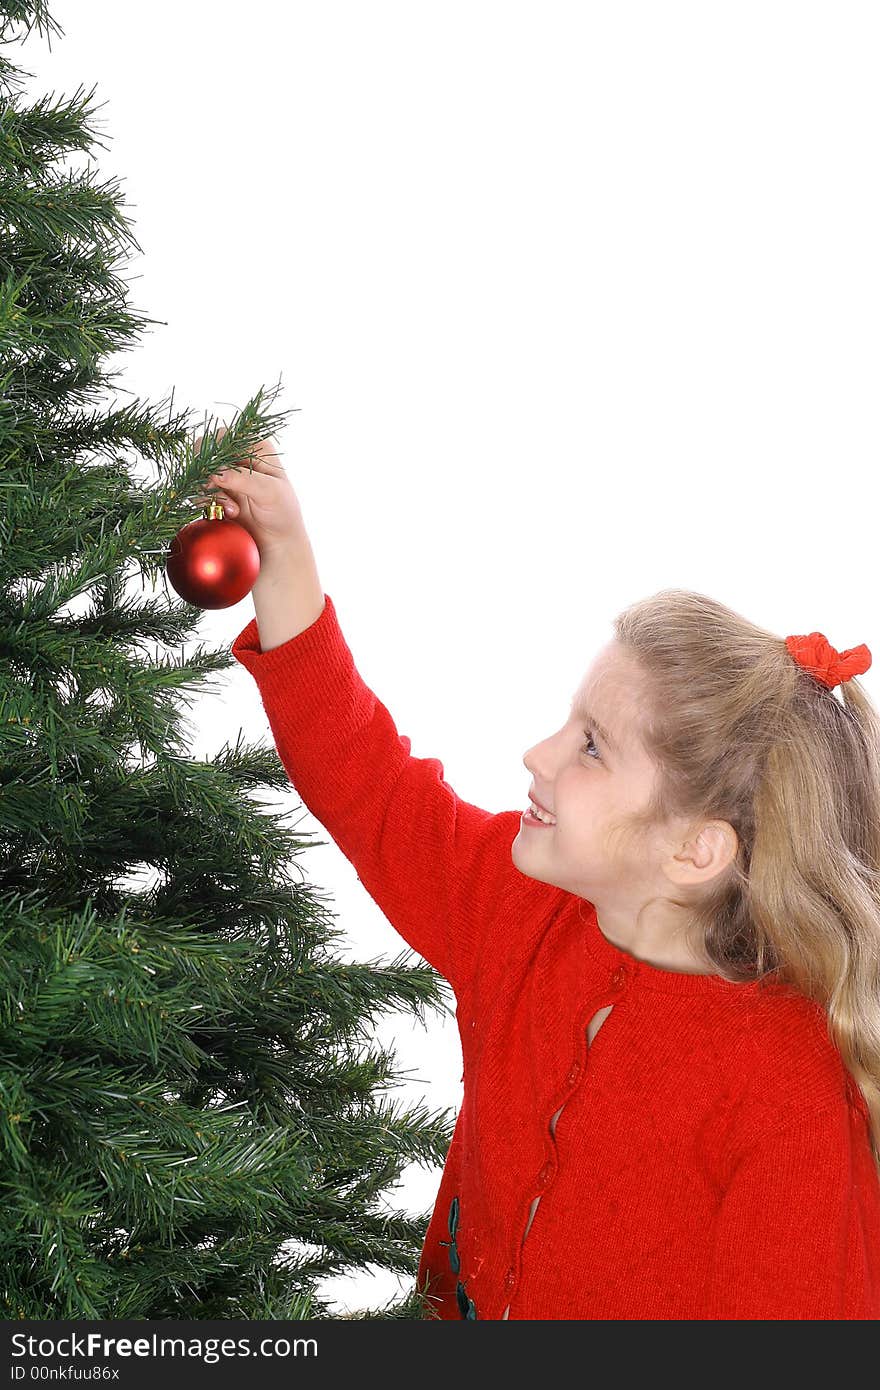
<point>213,562</point>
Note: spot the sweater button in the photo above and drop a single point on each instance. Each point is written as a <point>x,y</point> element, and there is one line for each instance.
<point>619,977</point>
<point>574,1073</point>
<point>544,1175</point>
<point>509,1279</point>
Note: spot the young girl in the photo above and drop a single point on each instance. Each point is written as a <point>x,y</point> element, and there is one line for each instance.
<point>667,971</point>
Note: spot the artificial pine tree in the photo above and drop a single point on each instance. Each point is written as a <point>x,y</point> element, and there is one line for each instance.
<point>191,1117</point>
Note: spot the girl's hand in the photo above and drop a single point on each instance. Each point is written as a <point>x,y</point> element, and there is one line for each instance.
<point>260,497</point>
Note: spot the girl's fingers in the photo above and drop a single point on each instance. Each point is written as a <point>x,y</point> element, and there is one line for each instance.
<point>244,482</point>
<point>263,458</point>
<point>229,503</point>
<point>247,477</point>
<point>266,457</point>
<point>248,473</point>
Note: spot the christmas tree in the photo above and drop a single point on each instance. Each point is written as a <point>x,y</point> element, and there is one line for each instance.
<point>191,1115</point>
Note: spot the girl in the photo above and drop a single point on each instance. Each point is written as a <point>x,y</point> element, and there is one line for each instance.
<point>667,971</point>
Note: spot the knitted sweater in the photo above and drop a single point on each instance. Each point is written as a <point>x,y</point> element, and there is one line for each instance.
<point>711,1159</point>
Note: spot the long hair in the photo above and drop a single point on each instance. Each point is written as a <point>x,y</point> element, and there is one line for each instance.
<point>741,733</point>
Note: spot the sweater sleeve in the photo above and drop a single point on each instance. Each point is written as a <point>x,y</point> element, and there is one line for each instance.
<point>433,863</point>
<point>784,1231</point>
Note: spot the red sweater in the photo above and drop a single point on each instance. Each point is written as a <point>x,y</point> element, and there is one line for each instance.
<point>712,1159</point>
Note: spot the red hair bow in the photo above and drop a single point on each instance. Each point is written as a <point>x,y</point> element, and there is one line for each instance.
<point>815,654</point>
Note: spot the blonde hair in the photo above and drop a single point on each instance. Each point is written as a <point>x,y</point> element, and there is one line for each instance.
<point>741,733</point>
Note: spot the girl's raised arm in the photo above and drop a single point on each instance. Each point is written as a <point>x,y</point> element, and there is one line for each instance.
<point>436,865</point>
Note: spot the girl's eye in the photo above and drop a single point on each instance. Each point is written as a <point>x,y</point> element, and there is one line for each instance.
<point>589,737</point>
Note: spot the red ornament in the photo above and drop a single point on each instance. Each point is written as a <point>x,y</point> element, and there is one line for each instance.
<point>213,562</point>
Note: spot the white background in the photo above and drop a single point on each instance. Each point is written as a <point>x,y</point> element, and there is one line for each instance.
<point>575,301</point>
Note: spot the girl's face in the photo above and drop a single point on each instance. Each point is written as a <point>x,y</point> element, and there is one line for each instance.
<point>592,774</point>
